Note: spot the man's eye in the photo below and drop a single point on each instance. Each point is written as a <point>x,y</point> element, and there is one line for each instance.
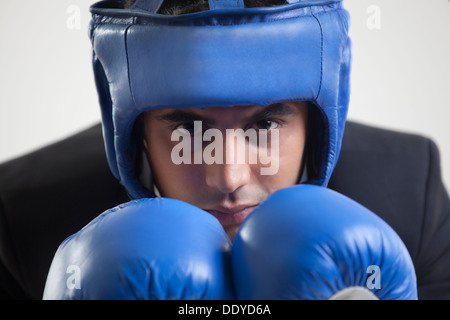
<point>192,128</point>
<point>266,124</point>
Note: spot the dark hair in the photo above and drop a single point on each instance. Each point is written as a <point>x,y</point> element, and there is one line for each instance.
<point>176,7</point>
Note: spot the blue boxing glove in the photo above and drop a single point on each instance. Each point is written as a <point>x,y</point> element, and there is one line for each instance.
<point>309,242</point>
<point>145,249</point>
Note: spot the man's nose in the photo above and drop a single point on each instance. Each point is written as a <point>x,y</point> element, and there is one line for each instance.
<point>227,178</point>
<point>231,174</point>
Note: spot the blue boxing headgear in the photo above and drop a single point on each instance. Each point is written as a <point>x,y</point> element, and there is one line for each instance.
<point>226,56</point>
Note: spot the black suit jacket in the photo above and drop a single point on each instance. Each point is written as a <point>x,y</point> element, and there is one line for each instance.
<point>52,193</point>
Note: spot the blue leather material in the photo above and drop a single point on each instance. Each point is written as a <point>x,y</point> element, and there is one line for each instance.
<point>197,64</point>
<point>225,57</point>
<point>104,95</point>
<point>221,4</point>
<point>309,242</point>
<point>150,249</point>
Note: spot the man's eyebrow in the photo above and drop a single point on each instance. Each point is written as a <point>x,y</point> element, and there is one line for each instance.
<point>276,109</point>
<point>180,116</point>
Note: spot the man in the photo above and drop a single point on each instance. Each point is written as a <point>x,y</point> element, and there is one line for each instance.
<point>228,191</point>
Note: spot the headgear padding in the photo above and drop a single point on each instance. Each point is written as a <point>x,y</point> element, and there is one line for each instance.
<point>225,56</point>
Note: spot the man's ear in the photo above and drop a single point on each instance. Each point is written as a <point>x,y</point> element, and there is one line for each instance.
<point>141,129</point>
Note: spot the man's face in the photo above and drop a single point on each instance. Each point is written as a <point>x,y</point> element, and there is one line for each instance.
<point>228,189</point>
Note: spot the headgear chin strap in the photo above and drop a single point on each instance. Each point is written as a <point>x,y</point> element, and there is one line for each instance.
<point>226,56</point>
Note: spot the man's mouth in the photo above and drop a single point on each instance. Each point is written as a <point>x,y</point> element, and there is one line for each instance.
<point>229,216</point>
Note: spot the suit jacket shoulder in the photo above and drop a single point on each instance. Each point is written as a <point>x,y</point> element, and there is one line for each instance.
<point>46,196</point>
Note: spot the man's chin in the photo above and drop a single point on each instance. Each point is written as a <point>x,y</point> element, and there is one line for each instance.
<point>231,231</point>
